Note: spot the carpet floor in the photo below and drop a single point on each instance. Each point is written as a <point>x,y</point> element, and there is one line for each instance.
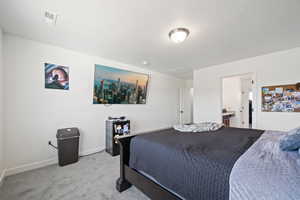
<point>92,178</point>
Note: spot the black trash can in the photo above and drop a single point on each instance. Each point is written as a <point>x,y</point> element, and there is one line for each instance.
<point>67,145</point>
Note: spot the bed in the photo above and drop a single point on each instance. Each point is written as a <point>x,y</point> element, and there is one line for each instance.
<point>168,164</point>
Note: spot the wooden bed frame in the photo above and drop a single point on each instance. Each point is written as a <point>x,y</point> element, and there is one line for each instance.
<point>129,176</point>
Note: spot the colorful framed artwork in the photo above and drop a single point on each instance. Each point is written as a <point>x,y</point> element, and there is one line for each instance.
<point>281,98</point>
<point>56,76</point>
<point>118,86</point>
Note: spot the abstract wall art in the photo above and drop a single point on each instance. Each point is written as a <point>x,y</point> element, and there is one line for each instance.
<point>56,76</point>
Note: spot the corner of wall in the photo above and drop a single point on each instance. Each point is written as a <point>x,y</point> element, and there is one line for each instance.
<point>2,163</point>
<point>2,176</point>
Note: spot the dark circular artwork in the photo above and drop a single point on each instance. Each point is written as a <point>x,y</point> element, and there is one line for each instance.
<point>56,76</point>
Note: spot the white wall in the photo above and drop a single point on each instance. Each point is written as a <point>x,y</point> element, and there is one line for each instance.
<point>272,69</point>
<point>232,98</point>
<point>1,108</point>
<point>33,113</point>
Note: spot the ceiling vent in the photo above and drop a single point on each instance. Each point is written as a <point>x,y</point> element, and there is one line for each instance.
<point>50,17</point>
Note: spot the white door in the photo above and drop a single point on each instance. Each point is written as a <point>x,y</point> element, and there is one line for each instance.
<point>246,89</point>
<point>181,105</point>
<point>186,105</point>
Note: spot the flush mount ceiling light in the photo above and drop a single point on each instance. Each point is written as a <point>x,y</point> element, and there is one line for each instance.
<point>145,62</point>
<point>178,35</point>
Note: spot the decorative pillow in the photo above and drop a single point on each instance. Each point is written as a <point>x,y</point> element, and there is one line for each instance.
<point>298,160</point>
<point>185,128</point>
<point>200,127</point>
<point>291,141</point>
<point>207,126</point>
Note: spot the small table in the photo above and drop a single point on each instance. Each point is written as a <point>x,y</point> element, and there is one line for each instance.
<point>226,118</point>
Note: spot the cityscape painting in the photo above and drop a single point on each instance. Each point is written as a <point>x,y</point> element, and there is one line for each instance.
<point>117,86</point>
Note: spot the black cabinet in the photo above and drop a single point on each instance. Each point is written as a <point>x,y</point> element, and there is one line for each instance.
<point>113,128</point>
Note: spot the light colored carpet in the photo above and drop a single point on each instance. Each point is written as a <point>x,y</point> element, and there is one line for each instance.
<point>92,178</point>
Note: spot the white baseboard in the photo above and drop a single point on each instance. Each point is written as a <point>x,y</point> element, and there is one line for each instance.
<point>44,163</point>
<point>30,166</point>
<point>2,176</point>
<point>91,151</point>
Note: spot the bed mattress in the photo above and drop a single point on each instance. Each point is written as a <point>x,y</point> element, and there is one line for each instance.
<point>265,172</point>
<point>192,165</point>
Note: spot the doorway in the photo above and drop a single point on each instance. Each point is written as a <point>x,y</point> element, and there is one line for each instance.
<point>237,98</point>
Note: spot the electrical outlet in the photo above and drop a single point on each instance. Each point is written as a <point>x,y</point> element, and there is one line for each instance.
<point>50,143</point>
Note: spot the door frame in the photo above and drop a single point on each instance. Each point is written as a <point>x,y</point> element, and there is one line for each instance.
<point>245,121</point>
<point>254,91</point>
<point>181,105</point>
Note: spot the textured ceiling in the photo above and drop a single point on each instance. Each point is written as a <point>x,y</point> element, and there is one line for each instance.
<point>135,30</point>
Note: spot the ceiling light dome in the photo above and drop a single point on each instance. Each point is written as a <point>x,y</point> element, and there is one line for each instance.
<point>178,35</point>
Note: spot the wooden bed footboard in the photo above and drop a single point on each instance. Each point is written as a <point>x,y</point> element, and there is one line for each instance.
<point>124,142</point>
<point>129,176</point>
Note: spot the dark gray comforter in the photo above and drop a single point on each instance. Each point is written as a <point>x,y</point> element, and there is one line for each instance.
<point>193,165</point>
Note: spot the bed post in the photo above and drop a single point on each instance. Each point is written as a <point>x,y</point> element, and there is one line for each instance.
<point>124,142</point>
